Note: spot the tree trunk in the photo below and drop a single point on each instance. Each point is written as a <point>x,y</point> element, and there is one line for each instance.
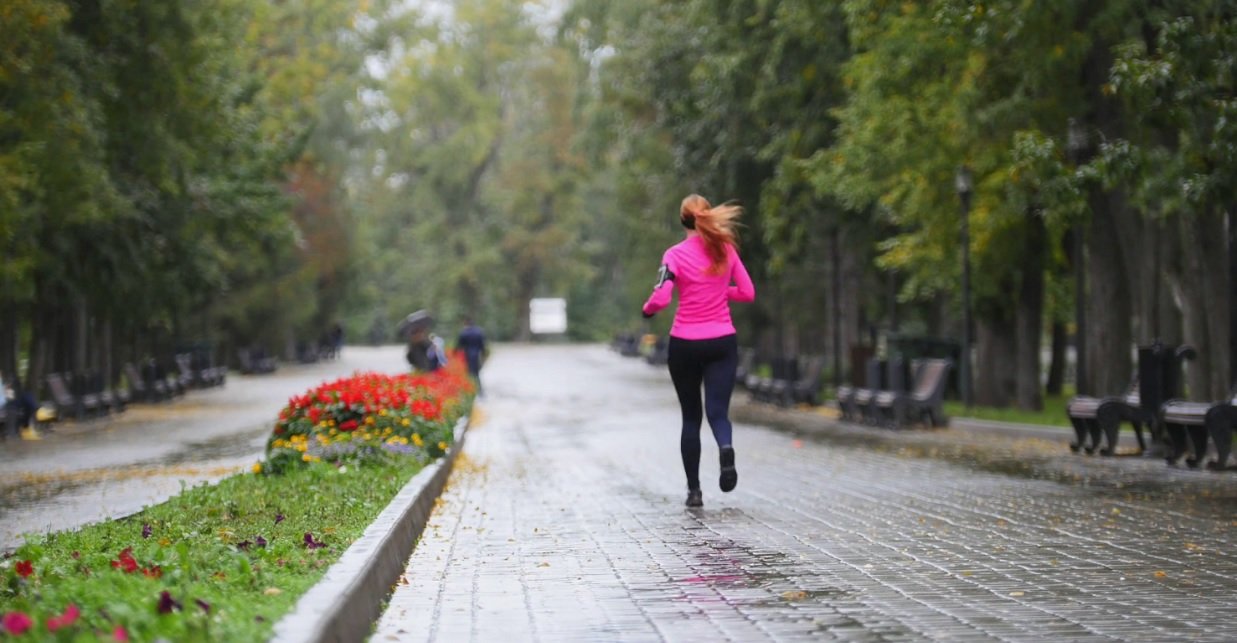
<point>996,351</point>
<point>1056,367</point>
<point>1215,268</point>
<point>1030,316</point>
<point>1108,307</point>
<point>1186,282</point>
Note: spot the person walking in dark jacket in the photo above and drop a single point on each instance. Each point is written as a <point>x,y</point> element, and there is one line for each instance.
<point>472,342</point>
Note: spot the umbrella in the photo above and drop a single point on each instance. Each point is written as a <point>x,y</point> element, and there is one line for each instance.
<point>419,320</point>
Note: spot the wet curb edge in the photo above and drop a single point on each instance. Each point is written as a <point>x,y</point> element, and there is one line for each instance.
<point>349,599</point>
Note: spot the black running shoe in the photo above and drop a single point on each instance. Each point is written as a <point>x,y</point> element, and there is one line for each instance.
<point>729,477</point>
<point>695,498</point>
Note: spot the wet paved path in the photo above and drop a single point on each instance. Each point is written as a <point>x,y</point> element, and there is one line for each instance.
<point>84,472</point>
<point>564,521</point>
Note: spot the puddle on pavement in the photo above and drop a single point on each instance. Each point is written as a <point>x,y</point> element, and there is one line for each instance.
<point>764,586</point>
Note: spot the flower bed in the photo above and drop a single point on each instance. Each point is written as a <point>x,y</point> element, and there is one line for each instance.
<point>224,562</point>
<point>371,416</point>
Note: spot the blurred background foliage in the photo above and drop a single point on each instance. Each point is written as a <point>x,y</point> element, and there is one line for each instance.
<point>240,173</point>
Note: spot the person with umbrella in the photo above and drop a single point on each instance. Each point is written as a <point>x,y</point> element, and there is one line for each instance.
<point>424,353</point>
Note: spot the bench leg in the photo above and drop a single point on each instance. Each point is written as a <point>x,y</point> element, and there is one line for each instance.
<point>1110,425</point>
<point>1221,432</point>
<point>1095,434</point>
<point>1080,434</point>
<point>1198,440</point>
<point>1177,438</point>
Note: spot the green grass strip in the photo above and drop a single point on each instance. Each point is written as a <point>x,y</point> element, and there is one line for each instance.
<point>204,548</point>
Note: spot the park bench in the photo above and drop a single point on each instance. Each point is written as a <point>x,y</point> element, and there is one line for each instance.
<point>142,389</point>
<point>895,380</point>
<point>1084,413</point>
<point>1195,423</point>
<point>660,353</point>
<point>70,405</point>
<point>923,403</point>
<point>1158,379</point>
<point>626,344</point>
<point>255,362</point>
<point>851,397</point>
<point>204,364</point>
<point>775,386</point>
<point>806,389</point>
<point>113,399</point>
<point>198,371</point>
<point>747,360</point>
<point>796,380</point>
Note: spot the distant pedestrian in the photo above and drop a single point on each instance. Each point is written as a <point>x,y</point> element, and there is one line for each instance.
<point>337,340</point>
<point>18,401</point>
<point>425,353</point>
<point>472,342</point>
<point>706,270</point>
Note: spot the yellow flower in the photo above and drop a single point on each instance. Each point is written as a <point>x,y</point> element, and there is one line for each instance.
<point>369,419</point>
<point>406,422</point>
<point>442,446</point>
<point>257,467</point>
<point>305,457</point>
<point>416,439</point>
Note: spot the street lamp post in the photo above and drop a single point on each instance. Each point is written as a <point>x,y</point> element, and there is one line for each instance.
<point>963,183</point>
<point>1076,143</point>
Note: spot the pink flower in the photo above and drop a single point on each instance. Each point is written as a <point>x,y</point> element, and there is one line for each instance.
<point>64,620</point>
<point>16,623</point>
<point>119,634</point>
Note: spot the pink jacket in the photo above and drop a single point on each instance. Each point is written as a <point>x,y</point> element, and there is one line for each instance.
<point>704,299</point>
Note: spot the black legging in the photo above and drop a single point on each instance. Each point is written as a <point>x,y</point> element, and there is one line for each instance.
<point>713,363</point>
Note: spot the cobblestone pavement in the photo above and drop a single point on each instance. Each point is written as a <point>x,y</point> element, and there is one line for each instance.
<point>564,520</point>
<point>113,466</point>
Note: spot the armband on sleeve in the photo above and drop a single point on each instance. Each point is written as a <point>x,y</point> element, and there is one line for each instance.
<point>663,275</point>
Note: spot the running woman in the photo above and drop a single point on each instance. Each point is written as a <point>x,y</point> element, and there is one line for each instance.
<point>706,269</point>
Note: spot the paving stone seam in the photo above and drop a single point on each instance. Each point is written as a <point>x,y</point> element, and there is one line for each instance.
<point>1109,542</point>
<point>656,625</point>
<point>346,602</point>
<point>1015,519</point>
<point>1112,610</point>
<point>853,566</point>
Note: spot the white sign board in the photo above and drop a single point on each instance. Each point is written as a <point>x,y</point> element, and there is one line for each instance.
<point>547,316</point>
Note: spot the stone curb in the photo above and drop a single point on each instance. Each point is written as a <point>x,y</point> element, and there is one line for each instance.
<point>349,599</point>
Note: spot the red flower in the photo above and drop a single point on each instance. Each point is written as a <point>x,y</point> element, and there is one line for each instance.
<point>64,620</point>
<point>127,562</point>
<point>16,623</point>
<point>348,425</point>
<point>152,572</point>
<point>25,568</point>
<point>119,634</point>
